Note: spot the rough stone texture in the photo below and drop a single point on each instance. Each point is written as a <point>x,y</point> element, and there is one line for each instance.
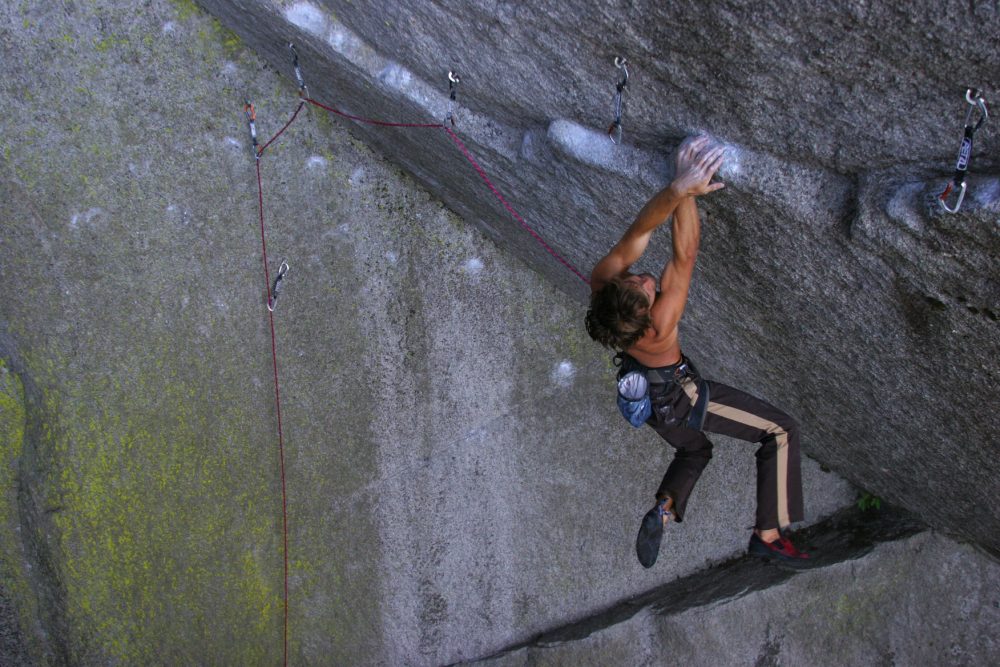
<point>16,599</point>
<point>882,593</point>
<point>826,282</point>
<point>457,473</point>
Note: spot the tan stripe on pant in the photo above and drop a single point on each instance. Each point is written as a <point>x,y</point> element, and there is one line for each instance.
<point>781,437</point>
<point>754,421</point>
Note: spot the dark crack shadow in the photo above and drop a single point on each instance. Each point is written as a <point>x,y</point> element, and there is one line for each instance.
<point>847,535</point>
<point>35,523</point>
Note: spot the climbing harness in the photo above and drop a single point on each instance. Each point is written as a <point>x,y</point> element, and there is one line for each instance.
<point>615,129</point>
<point>272,300</point>
<point>303,90</point>
<point>975,101</point>
<point>644,392</point>
<point>453,82</point>
<point>251,115</point>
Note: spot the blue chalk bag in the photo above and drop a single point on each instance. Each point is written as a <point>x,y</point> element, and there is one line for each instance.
<point>633,398</point>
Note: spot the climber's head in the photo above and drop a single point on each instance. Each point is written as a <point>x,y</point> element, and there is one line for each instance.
<point>619,311</point>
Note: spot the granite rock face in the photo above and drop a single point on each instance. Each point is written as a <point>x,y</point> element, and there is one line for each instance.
<point>827,282</point>
<point>442,408</point>
<point>457,476</point>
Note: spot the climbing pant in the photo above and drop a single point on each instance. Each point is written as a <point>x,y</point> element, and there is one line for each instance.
<point>739,415</point>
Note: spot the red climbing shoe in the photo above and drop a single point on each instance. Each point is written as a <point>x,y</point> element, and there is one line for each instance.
<point>781,551</point>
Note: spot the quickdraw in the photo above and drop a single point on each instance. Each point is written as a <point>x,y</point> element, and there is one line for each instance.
<point>615,129</point>
<point>453,82</point>
<point>272,300</point>
<point>303,90</point>
<point>251,115</point>
<point>976,101</point>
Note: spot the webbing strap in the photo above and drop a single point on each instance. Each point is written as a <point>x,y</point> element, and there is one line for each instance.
<point>697,417</point>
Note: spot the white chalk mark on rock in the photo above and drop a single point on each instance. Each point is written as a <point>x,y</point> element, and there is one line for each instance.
<point>563,373</point>
<point>307,16</point>
<point>316,162</point>
<point>595,148</point>
<point>905,206</point>
<point>357,176</point>
<point>732,164</point>
<point>395,75</point>
<point>392,257</point>
<point>473,266</point>
<point>583,143</point>
<point>85,218</point>
<point>987,193</point>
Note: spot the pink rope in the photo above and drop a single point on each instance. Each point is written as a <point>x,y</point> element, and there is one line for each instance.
<point>510,209</point>
<point>475,165</point>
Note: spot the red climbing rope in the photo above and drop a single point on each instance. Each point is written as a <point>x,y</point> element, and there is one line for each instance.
<point>277,386</point>
<point>475,165</point>
<point>510,209</point>
<point>258,153</point>
<point>282,130</point>
<point>369,121</point>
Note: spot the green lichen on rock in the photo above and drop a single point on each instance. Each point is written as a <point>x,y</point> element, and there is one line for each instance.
<point>12,419</point>
<point>13,578</point>
<point>168,523</point>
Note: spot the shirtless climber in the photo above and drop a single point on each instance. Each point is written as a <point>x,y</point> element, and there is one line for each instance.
<point>658,385</point>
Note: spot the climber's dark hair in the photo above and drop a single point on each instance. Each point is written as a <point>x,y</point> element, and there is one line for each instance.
<point>618,315</point>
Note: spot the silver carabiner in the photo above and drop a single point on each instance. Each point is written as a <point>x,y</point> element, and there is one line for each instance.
<point>976,101</point>
<point>615,129</point>
<point>453,82</point>
<point>303,91</point>
<point>947,191</point>
<point>251,115</point>
<point>622,64</point>
<point>272,300</point>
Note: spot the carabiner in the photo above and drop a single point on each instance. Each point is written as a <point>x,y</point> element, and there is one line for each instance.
<point>251,115</point>
<point>615,132</point>
<point>615,129</point>
<point>272,300</point>
<point>303,91</point>
<point>622,64</point>
<point>942,198</point>
<point>975,101</point>
<point>453,82</point>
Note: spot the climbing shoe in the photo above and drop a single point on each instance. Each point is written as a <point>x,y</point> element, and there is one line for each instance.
<point>780,551</point>
<point>647,542</point>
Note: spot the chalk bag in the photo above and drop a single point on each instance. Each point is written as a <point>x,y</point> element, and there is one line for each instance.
<point>633,398</point>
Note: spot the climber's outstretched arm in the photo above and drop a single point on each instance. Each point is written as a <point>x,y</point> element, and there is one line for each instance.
<point>675,281</point>
<point>697,162</point>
